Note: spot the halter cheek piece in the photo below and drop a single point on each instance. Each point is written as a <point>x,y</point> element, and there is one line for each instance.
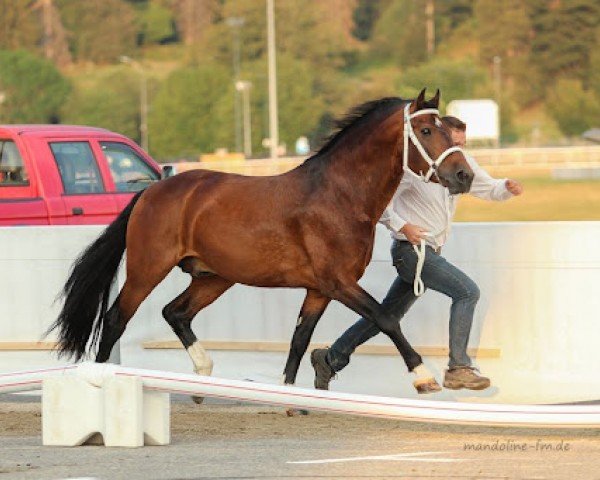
<point>410,134</point>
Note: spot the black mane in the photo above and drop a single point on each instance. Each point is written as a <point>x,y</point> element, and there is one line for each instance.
<point>358,116</point>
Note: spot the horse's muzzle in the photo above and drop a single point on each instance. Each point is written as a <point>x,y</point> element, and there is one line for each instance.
<point>460,181</point>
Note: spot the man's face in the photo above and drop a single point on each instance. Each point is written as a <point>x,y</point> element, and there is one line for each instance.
<point>459,138</point>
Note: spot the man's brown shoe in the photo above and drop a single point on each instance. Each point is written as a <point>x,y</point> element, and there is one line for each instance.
<point>323,372</point>
<point>465,377</point>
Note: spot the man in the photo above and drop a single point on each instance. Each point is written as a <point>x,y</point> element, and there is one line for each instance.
<point>419,211</point>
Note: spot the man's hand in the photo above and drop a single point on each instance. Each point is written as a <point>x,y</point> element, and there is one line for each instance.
<point>413,233</point>
<point>514,187</point>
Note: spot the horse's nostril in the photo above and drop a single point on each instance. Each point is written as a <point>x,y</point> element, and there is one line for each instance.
<point>462,176</point>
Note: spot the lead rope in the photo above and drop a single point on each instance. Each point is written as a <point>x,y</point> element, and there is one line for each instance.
<point>421,250</point>
<point>418,285</point>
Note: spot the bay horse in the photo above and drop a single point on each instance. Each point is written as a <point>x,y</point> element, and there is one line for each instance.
<point>312,227</point>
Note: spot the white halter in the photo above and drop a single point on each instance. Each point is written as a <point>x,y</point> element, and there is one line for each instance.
<point>418,285</point>
<point>409,133</point>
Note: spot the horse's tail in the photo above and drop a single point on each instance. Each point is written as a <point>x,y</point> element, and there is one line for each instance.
<point>87,290</point>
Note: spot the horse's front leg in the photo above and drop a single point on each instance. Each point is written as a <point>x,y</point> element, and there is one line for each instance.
<point>357,299</point>
<point>312,309</point>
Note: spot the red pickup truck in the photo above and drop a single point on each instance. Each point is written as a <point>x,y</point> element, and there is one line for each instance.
<point>68,175</point>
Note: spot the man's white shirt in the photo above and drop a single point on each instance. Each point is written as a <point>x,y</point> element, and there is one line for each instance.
<point>431,207</point>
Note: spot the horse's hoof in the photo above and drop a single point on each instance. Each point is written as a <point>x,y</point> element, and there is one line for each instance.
<point>198,400</point>
<point>427,386</point>
<point>296,412</point>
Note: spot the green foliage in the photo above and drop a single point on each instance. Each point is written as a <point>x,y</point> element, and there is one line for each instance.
<point>564,36</point>
<point>100,31</point>
<point>299,33</point>
<point>34,89</point>
<point>157,23</point>
<point>19,28</point>
<point>455,79</point>
<point>112,101</point>
<point>365,16</point>
<point>574,109</point>
<point>449,15</point>
<point>191,112</point>
<point>399,34</point>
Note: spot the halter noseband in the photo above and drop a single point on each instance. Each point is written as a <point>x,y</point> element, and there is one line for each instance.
<point>410,134</point>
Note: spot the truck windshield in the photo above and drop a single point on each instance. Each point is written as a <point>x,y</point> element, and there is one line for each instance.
<point>129,172</point>
<point>12,170</point>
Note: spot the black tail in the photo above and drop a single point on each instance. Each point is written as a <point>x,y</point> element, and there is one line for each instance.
<point>87,290</point>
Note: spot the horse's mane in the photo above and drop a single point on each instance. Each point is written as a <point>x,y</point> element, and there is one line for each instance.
<point>359,115</point>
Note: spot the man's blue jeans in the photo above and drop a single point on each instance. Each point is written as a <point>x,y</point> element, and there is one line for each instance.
<point>439,275</point>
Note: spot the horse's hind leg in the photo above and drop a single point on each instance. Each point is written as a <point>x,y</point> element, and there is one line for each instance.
<point>312,309</point>
<point>137,287</point>
<point>179,314</point>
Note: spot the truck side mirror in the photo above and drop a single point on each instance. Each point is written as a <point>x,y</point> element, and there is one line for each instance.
<point>168,171</point>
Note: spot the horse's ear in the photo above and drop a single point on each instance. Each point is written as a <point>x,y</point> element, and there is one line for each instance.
<point>436,99</point>
<point>419,102</point>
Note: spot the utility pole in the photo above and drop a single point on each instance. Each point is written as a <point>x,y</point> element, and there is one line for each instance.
<point>497,69</point>
<point>143,99</point>
<point>273,120</point>
<point>244,88</point>
<point>430,26</point>
<point>236,24</point>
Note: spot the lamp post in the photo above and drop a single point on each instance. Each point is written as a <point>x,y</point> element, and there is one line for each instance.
<point>244,87</point>
<point>236,24</point>
<point>498,86</point>
<point>143,98</point>
<point>273,116</point>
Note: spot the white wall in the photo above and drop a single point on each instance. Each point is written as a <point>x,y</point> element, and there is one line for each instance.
<point>540,306</point>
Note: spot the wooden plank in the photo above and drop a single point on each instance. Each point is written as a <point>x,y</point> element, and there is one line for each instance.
<point>283,347</point>
<point>19,346</point>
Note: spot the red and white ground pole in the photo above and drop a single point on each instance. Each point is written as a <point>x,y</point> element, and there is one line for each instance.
<point>130,406</point>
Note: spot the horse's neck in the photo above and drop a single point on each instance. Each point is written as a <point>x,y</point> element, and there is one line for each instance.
<point>371,171</point>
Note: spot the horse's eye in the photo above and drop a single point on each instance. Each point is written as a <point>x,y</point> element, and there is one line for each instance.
<point>426,131</point>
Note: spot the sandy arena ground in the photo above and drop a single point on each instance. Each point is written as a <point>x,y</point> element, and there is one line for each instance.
<point>251,442</point>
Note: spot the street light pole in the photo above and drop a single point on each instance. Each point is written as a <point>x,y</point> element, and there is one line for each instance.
<point>273,120</point>
<point>143,98</point>
<point>236,23</point>
<point>498,86</point>
<point>244,87</point>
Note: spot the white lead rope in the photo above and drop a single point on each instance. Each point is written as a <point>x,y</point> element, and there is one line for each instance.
<point>418,285</point>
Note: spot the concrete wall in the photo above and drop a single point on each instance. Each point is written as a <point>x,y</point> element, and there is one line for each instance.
<point>539,313</point>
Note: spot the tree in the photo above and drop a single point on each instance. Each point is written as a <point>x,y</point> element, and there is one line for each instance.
<point>574,108</point>
<point>299,33</point>
<point>365,15</point>
<point>191,112</point>
<point>564,36</point>
<point>456,80</point>
<point>157,23</point>
<point>194,17</point>
<point>111,101</point>
<point>56,47</point>
<point>33,88</point>
<point>19,28</point>
<point>399,34</point>
<point>504,30</point>
<point>100,31</point>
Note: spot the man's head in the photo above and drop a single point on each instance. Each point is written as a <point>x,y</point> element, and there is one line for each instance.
<point>458,130</point>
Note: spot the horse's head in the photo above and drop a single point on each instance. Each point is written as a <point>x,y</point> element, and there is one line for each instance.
<point>428,148</point>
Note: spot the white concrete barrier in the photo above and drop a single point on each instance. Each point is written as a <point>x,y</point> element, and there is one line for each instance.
<point>535,330</point>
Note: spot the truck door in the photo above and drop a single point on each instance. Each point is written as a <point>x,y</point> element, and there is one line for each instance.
<point>84,194</point>
<point>19,202</point>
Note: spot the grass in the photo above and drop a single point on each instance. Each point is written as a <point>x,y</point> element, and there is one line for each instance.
<point>543,199</point>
